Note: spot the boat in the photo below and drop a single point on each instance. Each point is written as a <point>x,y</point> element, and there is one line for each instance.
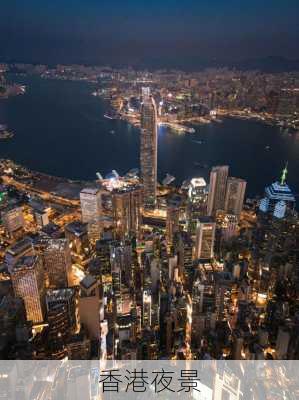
<point>197,141</point>
<point>5,133</point>
<point>200,165</point>
<point>109,116</point>
<point>168,179</point>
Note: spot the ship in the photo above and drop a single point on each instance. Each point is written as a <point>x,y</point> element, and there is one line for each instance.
<point>197,141</point>
<point>168,179</point>
<point>198,164</point>
<point>5,133</point>
<point>109,116</point>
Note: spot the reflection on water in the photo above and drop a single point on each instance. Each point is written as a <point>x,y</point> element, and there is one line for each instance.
<point>60,129</point>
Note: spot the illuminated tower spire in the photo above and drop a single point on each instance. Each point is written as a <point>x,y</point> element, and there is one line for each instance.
<point>284,174</point>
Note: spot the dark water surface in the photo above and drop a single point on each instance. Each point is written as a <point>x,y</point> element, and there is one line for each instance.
<point>60,130</point>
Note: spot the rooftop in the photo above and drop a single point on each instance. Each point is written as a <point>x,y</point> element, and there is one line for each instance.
<point>59,294</point>
<point>56,244</point>
<point>88,281</point>
<point>77,227</point>
<point>25,262</point>
<point>90,191</point>
<point>20,247</point>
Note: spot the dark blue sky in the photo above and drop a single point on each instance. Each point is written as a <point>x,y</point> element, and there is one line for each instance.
<point>153,33</point>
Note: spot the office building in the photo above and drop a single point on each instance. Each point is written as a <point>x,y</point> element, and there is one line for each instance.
<point>148,148</point>
<point>217,189</point>
<point>205,238</point>
<point>91,208</point>
<point>235,193</point>
<point>172,217</point>
<point>77,235</point>
<point>89,306</point>
<point>28,282</point>
<point>13,220</point>
<point>279,199</point>
<point>41,218</point>
<point>59,331</point>
<point>68,298</point>
<point>58,264</point>
<point>126,207</point>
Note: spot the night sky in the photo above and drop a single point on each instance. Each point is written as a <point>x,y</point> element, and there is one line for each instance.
<point>153,33</point>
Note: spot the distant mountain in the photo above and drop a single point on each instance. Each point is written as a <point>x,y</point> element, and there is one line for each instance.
<point>268,64</point>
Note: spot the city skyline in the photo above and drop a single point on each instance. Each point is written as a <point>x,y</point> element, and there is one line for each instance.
<point>148,194</point>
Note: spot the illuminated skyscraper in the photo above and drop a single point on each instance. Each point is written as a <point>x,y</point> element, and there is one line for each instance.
<point>217,191</point>
<point>205,238</point>
<point>121,264</point>
<point>235,193</point>
<point>58,264</point>
<point>91,207</point>
<point>197,204</point>
<point>13,220</point>
<point>279,198</point>
<point>127,205</point>
<point>172,217</point>
<point>27,277</point>
<point>148,148</point>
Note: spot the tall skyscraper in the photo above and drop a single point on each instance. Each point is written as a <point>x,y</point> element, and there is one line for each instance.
<point>235,193</point>
<point>172,217</point>
<point>58,264</point>
<point>91,207</point>
<point>126,204</point>
<point>205,238</point>
<point>217,190</point>
<point>27,277</point>
<point>197,202</point>
<point>279,199</point>
<point>89,305</point>
<point>148,148</point>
